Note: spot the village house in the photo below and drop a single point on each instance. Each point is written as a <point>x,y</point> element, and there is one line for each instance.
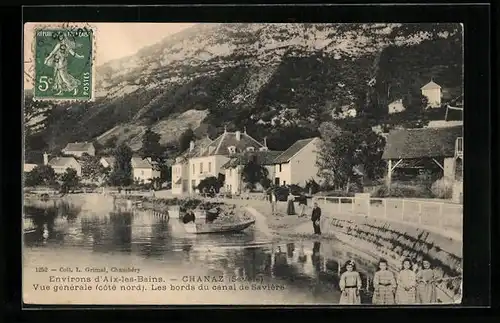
<point>209,160</point>
<point>107,162</point>
<point>144,169</point>
<point>234,167</point>
<point>180,169</point>
<point>297,164</point>
<point>77,149</point>
<point>60,164</point>
<point>437,150</point>
<point>433,93</point>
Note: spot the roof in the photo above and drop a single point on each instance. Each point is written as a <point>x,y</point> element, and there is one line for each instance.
<point>430,86</point>
<point>293,150</point>
<point>78,146</point>
<point>425,142</point>
<point>263,158</point>
<point>139,162</point>
<point>221,144</point>
<point>198,147</point>
<point>62,161</point>
<point>109,160</point>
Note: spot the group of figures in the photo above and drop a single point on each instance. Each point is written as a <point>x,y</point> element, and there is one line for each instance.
<point>412,285</point>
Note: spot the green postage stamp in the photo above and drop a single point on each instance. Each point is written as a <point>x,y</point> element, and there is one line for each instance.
<point>64,63</point>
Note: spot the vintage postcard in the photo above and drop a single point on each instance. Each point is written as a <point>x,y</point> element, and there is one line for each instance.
<point>243,163</point>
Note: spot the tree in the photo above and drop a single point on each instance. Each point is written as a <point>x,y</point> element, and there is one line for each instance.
<point>185,139</point>
<point>121,174</point>
<point>99,148</point>
<point>92,169</point>
<point>252,173</point>
<point>151,146</point>
<point>40,175</point>
<point>35,113</point>
<point>111,142</point>
<point>69,180</point>
<point>209,183</point>
<point>341,150</point>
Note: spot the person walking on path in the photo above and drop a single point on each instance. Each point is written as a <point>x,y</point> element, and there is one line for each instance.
<point>316,218</point>
<point>273,203</point>
<point>350,285</point>
<point>406,281</point>
<point>384,285</point>
<point>303,204</point>
<point>290,210</point>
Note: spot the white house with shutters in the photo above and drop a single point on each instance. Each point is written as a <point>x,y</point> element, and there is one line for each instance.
<point>180,169</point>
<point>234,183</point>
<point>208,160</point>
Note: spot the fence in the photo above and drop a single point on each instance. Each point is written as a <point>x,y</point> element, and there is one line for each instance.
<point>437,214</point>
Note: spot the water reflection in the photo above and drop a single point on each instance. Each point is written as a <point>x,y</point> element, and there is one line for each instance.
<point>307,267</point>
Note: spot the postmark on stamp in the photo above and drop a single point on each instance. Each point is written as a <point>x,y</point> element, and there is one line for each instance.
<point>63,63</point>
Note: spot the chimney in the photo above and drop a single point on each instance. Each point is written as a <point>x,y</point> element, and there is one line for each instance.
<point>191,145</point>
<point>238,135</point>
<point>265,141</point>
<point>45,158</point>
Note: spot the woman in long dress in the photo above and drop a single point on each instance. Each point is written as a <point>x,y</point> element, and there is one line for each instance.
<point>350,285</point>
<point>58,59</point>
<point>426,284</point>
<point>406,281</point>
<point>384,285</point>
<point>290,210</point>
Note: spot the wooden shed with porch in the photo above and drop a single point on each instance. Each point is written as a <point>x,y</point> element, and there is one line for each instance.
<point>437,149</point>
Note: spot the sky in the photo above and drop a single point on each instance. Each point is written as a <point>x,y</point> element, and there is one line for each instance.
<point>113,40</point>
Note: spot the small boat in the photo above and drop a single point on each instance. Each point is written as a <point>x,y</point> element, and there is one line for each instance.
<point>204,228</point>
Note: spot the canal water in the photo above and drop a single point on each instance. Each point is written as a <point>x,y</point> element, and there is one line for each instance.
<point>179,268</point>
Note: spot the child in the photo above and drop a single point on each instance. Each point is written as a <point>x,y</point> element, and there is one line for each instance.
<point>426,285</point>
<point>405,292</point>
<point>350,285</point>
<point>384,285</point>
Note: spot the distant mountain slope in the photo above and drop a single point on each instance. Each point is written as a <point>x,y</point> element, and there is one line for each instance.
<point>273,79</point>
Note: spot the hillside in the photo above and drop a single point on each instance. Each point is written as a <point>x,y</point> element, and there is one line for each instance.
<point>277,80</point>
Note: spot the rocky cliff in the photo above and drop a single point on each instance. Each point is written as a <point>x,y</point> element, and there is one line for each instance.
<point>278,80</point>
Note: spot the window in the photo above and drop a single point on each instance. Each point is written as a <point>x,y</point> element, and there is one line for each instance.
<point>193,170</point>
<point>284,183</point>
<point>209,167</point>
<point>250,149</point>
<point>201,168</point>
<point>280,168</point>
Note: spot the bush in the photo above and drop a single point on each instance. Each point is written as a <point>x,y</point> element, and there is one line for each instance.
<point>312,187</point>
<point>443,188</point>
<point>402,190</point>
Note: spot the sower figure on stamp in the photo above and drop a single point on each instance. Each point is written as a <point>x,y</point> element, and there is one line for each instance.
<point>58,58</point>
<point>316,218</point>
